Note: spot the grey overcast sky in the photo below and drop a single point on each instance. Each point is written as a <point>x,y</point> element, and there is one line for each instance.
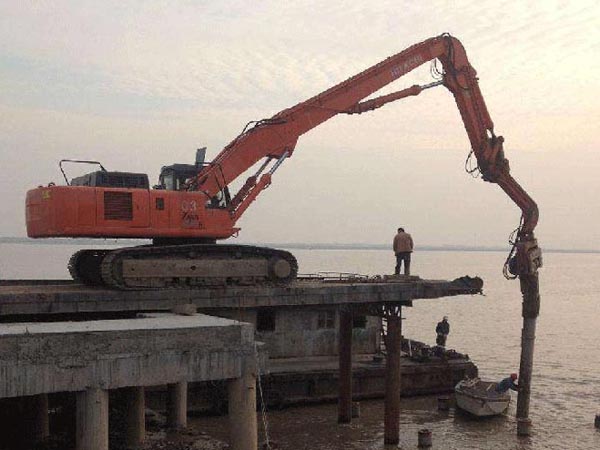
<point>140,84</point>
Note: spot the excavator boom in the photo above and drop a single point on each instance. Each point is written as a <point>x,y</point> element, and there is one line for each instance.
<point>276,138</point>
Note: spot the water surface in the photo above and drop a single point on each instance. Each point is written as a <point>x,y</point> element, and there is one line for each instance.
<point>566,379</point>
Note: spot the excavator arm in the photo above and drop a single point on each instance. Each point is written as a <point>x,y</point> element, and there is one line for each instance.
<point>460,78</point>
<point>274,139</point>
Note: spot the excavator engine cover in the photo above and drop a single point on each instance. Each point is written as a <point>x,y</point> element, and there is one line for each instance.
<point>103,178</point>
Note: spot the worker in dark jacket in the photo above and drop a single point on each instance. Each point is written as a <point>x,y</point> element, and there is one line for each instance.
<point>403,247</point>
<point>507,383</point>
<point>443,330</point>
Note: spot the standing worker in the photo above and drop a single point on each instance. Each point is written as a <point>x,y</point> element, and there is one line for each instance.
<point>443,330</point>
<point>403,247</point>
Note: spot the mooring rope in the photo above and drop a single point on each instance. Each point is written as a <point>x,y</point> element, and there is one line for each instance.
<point>263,406</point>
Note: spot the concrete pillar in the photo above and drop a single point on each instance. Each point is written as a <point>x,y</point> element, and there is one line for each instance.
<point>345,367</point>
<point>531,309</point>
<point>177,405</point>
<point>242,409</point>
<point>391,432</point>
<point>135,419</point>
<point>92,420</point>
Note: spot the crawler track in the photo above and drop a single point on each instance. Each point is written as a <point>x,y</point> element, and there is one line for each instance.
<point>183,266</point>
<point>84,266</point>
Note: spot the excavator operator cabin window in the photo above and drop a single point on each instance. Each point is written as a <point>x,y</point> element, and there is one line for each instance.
<point>169,181</point>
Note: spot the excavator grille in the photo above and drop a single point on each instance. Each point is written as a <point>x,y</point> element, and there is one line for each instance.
<point>118,206</point>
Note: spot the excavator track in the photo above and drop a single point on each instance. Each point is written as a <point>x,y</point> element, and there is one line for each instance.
<point>183,266</point>
<point>84,266</point>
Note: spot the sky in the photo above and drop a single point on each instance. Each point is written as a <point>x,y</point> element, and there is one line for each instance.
<point>140,84</point>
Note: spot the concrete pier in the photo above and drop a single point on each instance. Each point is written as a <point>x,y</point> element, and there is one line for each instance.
<point>92,420</point>
<point>135,418</point>
<point>40,358</point>
<point>177,405</point>
<point>38,297</point>
<point>391,432</point>
<point>90,358</point>
<point>242,410</point>
<point>345,367</point>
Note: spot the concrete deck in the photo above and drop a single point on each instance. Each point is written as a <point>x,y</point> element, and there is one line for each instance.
<point>40,358</point>
<point>39,297</point>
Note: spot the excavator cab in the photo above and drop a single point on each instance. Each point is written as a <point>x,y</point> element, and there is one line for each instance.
<point>173,177</point>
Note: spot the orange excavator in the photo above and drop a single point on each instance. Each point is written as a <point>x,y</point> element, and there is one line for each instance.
<point>191,207</point>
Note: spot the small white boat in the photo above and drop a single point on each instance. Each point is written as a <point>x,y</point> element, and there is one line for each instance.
<point>480,398</point>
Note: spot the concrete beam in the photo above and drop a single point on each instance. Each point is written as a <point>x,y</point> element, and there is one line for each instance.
<point>40,298</point>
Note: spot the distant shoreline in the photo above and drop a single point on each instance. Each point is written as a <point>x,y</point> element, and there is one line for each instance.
<point>288,245</point>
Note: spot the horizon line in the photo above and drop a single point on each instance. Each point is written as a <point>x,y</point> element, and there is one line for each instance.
<point>293,245</point>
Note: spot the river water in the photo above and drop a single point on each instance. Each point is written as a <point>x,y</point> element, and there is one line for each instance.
<point>566,379</point>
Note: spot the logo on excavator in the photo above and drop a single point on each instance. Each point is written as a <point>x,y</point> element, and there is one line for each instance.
<point>189,206</point>
<point>190,218</point>
<point>407,66</point>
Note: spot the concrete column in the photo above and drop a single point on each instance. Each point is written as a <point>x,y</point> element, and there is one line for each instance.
<point>242,410</point>
<point>135,419</point>
<point>531,309</point>
<point>345,367</point>
<point>391,432</point>
<point>92,420</point>
<point>177,405</point>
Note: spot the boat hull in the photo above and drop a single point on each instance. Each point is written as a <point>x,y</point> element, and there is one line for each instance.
<point>480,398</point>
